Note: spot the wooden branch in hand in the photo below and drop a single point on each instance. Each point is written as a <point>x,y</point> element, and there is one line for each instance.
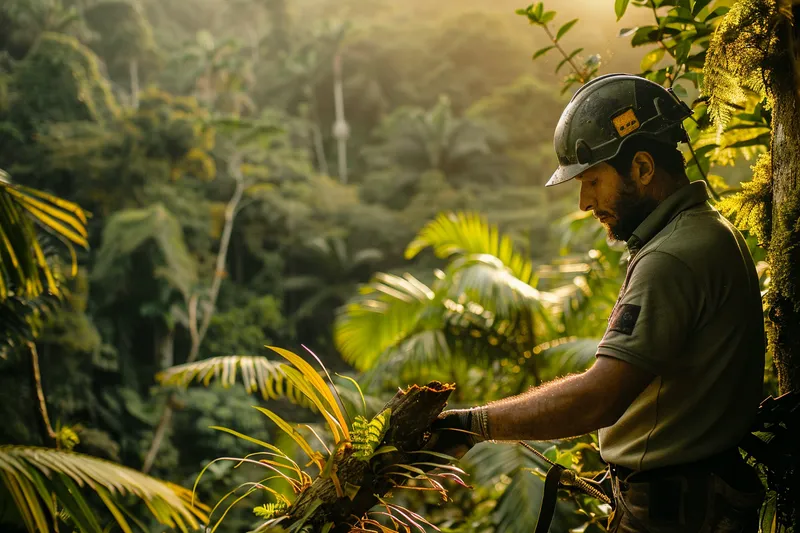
<point>412,412</point>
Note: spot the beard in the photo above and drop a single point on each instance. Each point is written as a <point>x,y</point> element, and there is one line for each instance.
<point>630,210</point>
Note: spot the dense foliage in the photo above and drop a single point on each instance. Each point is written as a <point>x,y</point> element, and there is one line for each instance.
<point>228,203</point>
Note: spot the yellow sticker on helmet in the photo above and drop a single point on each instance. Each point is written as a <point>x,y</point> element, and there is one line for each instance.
<point>626,123</point>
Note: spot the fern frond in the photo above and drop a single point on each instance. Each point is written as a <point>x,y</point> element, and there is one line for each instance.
<point>367,435</point>
<point>739,55</point>
<point>751,209</point>
<point>258,374</point>
<point>270,510</point>
<point>33,474</point>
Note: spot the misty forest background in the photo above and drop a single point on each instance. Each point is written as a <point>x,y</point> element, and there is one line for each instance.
<point>228,210</point>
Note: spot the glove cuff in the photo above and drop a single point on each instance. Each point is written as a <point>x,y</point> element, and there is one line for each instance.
<point>480,423</point>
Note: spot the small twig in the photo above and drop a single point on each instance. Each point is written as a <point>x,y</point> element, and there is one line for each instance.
<point>581,74</point>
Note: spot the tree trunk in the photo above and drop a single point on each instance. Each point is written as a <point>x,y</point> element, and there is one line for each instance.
<point>783,327</point>
<point>197,335</point>
<point>341,131</point>
<point>784,248</point>
<point>412,412</point>
<point>133,67</point>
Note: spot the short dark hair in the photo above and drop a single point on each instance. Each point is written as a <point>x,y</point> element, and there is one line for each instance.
<point>666,156</point>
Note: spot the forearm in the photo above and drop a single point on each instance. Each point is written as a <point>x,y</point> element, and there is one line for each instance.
<point>559,409</point>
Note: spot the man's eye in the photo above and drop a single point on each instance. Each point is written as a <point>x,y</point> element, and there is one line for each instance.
<point>593,182</point>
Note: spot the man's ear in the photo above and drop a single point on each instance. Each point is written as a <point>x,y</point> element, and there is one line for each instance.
<point>643,168</point>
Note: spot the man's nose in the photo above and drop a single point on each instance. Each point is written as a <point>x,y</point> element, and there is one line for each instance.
<point>586,202</point>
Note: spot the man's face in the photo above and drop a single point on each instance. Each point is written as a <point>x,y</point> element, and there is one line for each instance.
<point>617,201</point>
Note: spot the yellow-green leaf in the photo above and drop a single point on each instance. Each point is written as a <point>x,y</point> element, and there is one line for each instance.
<point>651,59</point>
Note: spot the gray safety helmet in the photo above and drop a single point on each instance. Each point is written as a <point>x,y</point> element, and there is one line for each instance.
<point>608,111</point>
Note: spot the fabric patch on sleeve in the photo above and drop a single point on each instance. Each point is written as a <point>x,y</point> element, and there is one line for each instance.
<point>624,318</point>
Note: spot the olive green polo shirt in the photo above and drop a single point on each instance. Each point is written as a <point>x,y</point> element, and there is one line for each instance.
<point>689,311</point>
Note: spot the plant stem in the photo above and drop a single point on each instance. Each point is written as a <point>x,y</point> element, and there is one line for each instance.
<point>222,255</point>
<point>47,429</point>
<point>158,438</point>
<point>197,335</point>
<point>581,74</point>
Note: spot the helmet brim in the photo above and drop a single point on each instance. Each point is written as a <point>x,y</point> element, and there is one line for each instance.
<point>566,173</point>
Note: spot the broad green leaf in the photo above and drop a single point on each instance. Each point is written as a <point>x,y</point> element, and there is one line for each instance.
<point>720,11</point>
<point>651,59</point>
<point>619,8</point>
<point>547,16</point>
<point>565,28</point>
<point>540,52</point>
<point>644,35</point>
<point>698,6</point>
<point>681,51</point>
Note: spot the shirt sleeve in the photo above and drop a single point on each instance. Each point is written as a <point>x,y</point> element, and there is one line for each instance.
<point>655,314</point>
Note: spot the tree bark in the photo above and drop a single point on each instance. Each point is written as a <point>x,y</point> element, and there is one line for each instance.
<point>412,412</point>
<point>783,327</point>
<point>784,248</point>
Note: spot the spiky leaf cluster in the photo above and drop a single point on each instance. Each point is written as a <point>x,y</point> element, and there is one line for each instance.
<point>751,209</point>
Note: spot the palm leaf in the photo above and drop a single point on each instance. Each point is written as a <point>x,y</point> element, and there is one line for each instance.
<point>23,266</point>
<point>388,309</point>
<point>257,374</point>
<point>485,279</point>
<point>33,475</point>
<point>469,233</point>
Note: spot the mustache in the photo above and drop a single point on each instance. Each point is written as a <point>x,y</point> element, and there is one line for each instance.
<point>600,214</point>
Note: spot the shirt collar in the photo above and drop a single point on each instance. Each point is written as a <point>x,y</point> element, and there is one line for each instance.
<point>684,198</point>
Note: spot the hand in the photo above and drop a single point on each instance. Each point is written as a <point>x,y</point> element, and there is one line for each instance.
<point>455,431</point>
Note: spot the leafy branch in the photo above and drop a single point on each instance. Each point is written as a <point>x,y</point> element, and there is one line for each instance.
<point>582,73</point>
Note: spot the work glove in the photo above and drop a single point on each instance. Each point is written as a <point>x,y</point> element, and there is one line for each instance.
<point>456,431</point>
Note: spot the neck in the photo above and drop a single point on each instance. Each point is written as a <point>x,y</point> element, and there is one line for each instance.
<point>664,185</point>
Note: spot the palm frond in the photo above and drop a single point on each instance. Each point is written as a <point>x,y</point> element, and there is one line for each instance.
<point>34,476</point>
<point>469,233</point>
<point>258,374</point>
<point>23,263</point>
<point>485,279</point>
<point>388,309</point>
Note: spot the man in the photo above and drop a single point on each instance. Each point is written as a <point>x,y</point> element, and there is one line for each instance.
<point>678,374</point>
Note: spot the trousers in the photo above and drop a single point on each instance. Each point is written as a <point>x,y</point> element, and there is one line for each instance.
<point>700,501</point>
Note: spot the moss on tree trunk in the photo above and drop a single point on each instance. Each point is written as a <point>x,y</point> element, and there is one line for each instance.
<point>784,247</point>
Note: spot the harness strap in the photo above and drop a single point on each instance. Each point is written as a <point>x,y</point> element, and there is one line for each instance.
<point>559,477</point>
<point>549,498</point>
